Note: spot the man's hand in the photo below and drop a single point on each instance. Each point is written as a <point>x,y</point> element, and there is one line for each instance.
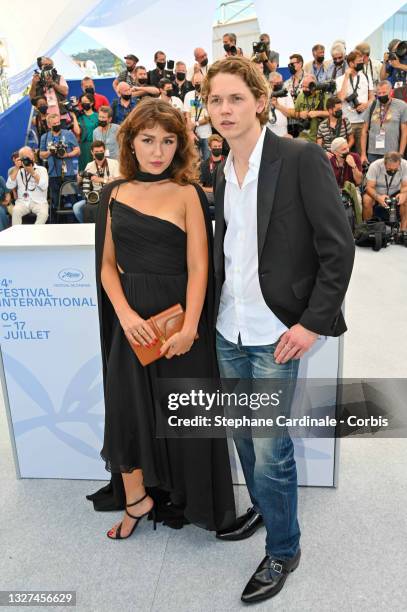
<point>294,343</point>
<point>395,63</point>
<point>350,161</point>
<point>362,107</point>
<point>348,72</point>
<point>381,200</point>
<point>313,113</point>
<point>304,114</point>
<point>274,102</point>
<point>363,159</point>
<point>386,57</point>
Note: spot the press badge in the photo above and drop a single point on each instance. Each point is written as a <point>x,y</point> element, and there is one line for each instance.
<point>380,140</point>
<point>26,197</point>
<point>107,153</point>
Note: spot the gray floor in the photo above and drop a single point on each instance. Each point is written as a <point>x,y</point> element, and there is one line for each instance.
<point>354,538</point>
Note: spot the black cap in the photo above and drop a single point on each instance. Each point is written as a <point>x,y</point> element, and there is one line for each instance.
<point>132,57</point>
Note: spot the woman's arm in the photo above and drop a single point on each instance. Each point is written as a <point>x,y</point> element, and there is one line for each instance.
<point>197,264</point>
<point>133,325</point>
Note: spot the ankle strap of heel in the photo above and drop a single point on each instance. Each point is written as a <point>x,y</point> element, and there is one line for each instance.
<point>137,502</point>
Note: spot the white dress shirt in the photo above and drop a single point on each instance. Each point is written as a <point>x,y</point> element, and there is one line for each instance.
<point>242,308</point>
<point>26,184</point>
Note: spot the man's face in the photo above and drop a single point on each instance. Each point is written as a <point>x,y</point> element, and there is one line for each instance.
<point>47,63</point>
<point>98,153</point>
<point>130,64</point>
<point>216,148</point>
<point>161,59</point>
<point>200,56</point>
<point>392,166</point>
<point>358,60</point>
<point>338,58</point>
<point>276,82</point>
<point>141,74</point>
<point>342,151</point>
<point>104,118</point>
<point>88,86</point>
<point>319,54</point>
<point>265,39</point>
<point>198,78</point>
<point>167,90</point>
<point>306,85</point>
<point>335,110</point>
<point>125,89</point>
<point>232,106</point>
<point>26,152</point>
<point>53,121</point>
<point>382,90</point>
<point>294,62</point>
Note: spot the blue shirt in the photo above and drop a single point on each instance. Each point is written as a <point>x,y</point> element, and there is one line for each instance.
<point>319,73</point>
<point>3,189</point>
<point>55,164</point>
<point>395,75</point>
<point>120,112</point>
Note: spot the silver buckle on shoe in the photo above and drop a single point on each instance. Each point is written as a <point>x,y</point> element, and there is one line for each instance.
<point>277,567</point>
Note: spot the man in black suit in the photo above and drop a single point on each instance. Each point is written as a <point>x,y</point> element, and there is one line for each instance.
<point>283,257</point>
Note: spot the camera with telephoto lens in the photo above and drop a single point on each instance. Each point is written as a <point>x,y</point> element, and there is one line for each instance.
<point>325,87</point>
<point>259,47</point>
<point>346,199</point>
<point>26,161</point>
<point>48,73</point>
<point>304,124</point>
<point>280,93</point>
<point>92,196</point>
<point>392,202</point>
<point>400,52</point>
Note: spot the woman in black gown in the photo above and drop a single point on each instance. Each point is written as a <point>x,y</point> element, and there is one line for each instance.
<point>153,250</point>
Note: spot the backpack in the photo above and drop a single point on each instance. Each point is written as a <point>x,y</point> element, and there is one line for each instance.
<point>373,233</point>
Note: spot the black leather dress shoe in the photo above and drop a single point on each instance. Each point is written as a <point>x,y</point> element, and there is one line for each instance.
<point>269,578</point>
<point>244,527</point>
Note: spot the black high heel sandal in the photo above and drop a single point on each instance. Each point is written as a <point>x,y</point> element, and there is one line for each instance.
<point>118,535</point>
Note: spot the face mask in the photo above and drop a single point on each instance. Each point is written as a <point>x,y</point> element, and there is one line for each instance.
<point>86,106</point>
<point>204,62</point>
<point>345,155</point>
<point>216,151</point>
<point>56,128</point>
<point>90,90</point>
<point>391,172</point>
<point>226,46</point>
<point>278,87</point>
<point>126,96</point>
<point>383,99</point>
<point>291,68</point>
<point>359,66</point>
<point>320,59</point>
<point>160,65</point>
<point>306,92</point>
<point>143,81</point>
<point>99,156</point>
<point>338,62</point>
<point>180,76</point>
<point>198,87</point>
<point>338,114</point>
<point>102,122</point>
<point>131,68</point>
<point>43,109</point>
<point>168,92</point>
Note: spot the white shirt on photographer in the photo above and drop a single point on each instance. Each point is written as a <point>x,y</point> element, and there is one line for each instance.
<point>26,184</point>
<point>363,87</point>
<point>280,126</point>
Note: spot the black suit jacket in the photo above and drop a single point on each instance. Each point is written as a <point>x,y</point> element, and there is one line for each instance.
<point>305,245</point>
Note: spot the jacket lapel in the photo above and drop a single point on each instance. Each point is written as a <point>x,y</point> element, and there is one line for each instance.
<point>267,183</point>
<point>219,220</point>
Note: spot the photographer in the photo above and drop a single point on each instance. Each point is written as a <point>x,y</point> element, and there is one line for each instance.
<point>97,173</point>
<point>68,113</point>
<point>335,126</point>
<point>371,67</point>
<point>140,88</point>
<point>60,148</point>
<point>88,87</point>
<point>48,83</point>
<point>338,65</point>
<point>124,104</point>
<point>356,91</point>
<point>129,75</point>
<point>230,45</point>
<point>88,121</point>
<point>386,178</point>
<point>39,121</point>
<point>181,85</point>
<point>208,166</point>
<point>197,116</point>
<point>166,92</point>
<point>318,66</point>
<point>155,76</point>
<point>385,126</point>
<point>347,166</point>
<point>309,108</point>
<point>293,85</point>
<point>394,67</point>
<point>201,63</point>
<point>269,58</point>
<point>5,199</point>
<point>31,183</point>
<point>280,104</point>
<point>107,132</point>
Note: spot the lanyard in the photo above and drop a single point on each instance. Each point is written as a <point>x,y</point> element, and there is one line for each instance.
<point>26,180</point>
<point>388,185</point>
<point>197,115</point>
<point>321,68</point>
<point>365,70</point>
<point>383,113</point>
<point>101,170</point>
<point>295,88</point>
<point>106,135</point>
<point>354,89</point>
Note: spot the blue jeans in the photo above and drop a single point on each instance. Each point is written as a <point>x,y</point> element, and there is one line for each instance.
<point>372,157</point>
<point>4,218</point>
<point>78,210</point>
<point>268,463</point>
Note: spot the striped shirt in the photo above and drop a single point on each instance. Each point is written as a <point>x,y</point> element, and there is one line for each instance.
<point>328,134</point>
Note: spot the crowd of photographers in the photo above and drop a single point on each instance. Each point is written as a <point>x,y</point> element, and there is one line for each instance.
<point>352,105</point>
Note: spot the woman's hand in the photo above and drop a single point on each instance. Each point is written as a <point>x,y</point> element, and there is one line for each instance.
<point>178,344</point>
<point>137,331</point>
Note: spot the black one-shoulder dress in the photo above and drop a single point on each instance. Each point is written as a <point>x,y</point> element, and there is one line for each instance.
<point>191,476</point>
